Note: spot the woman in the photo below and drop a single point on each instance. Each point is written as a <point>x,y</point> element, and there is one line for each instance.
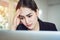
<point>27,14</point>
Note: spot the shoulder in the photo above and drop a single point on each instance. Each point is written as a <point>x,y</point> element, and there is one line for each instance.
<point>47,26</point>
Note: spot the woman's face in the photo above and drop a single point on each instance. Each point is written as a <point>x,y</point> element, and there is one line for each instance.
<point>28,17</point>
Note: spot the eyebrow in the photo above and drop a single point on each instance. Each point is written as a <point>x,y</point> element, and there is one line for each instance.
<point>28,14</point>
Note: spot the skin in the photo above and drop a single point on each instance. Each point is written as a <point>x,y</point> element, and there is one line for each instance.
<point>28,17</point>
<point>16,20</point>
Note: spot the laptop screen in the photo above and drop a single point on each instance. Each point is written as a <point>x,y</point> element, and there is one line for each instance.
<point>29,35</point>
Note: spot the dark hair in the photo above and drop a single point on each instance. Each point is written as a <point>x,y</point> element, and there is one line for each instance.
<point>27,3</point>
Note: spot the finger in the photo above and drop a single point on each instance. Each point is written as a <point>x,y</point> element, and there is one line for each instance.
<point>17,21</point>
<point>17,13</point>
<point>16,17</point>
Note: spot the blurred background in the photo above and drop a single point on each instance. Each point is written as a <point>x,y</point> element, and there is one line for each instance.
<point>49,11</point>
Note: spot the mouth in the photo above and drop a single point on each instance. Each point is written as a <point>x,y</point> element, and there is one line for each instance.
<point>29,25</point>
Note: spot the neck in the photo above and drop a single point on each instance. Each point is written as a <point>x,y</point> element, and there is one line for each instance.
<point>36,28</point>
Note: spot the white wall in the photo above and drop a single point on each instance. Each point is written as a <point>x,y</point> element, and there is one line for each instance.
<point>50,11</point>
<point>54,15</point>
<point>42,5</point>
<point>54,12</point>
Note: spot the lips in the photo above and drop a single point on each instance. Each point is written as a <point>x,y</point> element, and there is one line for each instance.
<point>29,25</point>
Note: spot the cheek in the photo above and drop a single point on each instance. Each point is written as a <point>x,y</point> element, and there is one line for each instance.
<point>34,18</point>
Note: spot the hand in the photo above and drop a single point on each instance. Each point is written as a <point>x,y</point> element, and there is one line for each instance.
<point>16,20</point>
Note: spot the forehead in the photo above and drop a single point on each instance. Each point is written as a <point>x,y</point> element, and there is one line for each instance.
<point>25,11</point>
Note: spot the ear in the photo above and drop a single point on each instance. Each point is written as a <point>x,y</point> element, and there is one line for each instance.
<point>37,12</point>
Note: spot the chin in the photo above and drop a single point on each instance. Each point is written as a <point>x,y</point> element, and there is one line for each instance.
<point>30,28</point>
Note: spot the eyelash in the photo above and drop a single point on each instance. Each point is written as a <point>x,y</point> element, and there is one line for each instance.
<point>29,16</point>
<point>21,18</point>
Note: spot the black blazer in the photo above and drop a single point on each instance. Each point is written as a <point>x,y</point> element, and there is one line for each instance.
<point>44,26</point>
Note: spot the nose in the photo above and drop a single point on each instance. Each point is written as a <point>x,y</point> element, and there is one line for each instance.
<point>27,21</point>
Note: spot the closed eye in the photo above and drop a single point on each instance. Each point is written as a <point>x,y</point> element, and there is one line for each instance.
<point>21,17</point>
<point>29,16</point>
